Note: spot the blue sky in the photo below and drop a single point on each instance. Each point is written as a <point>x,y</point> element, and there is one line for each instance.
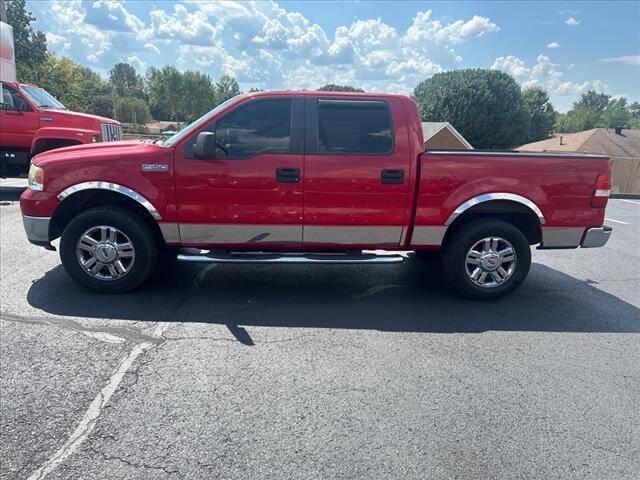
<point>567,47</point>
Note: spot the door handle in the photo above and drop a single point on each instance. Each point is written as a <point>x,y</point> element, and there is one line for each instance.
<point>392,177</point>
<point>287,175</point>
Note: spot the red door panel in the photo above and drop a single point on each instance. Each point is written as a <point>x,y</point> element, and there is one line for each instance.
<point>18,121</point>
<point>237,199</point>
<point>353,198</point>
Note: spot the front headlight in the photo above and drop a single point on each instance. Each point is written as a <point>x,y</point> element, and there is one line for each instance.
<point>36,178</point>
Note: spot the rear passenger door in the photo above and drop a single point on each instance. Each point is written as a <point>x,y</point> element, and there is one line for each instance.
<point>356,168</point>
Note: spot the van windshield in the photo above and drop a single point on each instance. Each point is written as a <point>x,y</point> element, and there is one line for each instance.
<point>41,97</point>
<point>176,137</point>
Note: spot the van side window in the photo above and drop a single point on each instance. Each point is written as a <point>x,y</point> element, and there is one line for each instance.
<point>354,126</point>
<point>262,126</point>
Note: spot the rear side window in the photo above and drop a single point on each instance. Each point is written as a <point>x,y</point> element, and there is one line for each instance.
<point>354,126</point>
<point>259,127</point>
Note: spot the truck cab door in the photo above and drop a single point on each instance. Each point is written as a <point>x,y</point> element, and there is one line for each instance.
<point>357,173</point>
<point>18,119</point>
<point>249,196</point>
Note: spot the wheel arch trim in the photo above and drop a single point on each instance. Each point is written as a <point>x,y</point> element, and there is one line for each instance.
<point>488,197</point>
<point>112,187</point>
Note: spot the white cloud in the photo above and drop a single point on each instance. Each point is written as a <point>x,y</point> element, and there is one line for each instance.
<point>553,45</point>
<point>572,22</point>
<point>625,59</point>
<point>191,28</point>
<point>152,47</point>
<point>546,74</point>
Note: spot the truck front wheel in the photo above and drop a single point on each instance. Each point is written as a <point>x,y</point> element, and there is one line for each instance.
<point>108,249</point>
<point>487,259</point>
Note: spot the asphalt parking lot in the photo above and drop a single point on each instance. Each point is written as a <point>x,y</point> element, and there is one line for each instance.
<point>331,372</point>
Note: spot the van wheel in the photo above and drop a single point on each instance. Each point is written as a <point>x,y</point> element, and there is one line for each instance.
<point>108,249</point>
<point>487,259</point>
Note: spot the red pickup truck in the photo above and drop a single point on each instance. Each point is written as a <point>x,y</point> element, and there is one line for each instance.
<point>33,121</point>
<point>310,177</point>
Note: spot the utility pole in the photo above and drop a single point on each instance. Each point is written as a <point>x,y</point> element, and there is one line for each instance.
<point>3,11</point>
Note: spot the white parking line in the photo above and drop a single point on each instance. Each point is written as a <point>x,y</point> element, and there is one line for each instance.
<point>617,221</point>
<point>630,201</point>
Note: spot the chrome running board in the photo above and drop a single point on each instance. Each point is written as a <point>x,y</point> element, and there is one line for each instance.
<point>205,256</point>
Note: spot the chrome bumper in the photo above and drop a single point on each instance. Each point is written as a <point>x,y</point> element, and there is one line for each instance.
<point>37,229</point>
<point>596,237</point>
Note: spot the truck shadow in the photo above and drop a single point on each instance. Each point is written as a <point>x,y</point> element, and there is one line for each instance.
<point>407,298</point>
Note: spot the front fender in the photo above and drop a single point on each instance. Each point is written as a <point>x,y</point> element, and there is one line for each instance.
<point>79,135</point>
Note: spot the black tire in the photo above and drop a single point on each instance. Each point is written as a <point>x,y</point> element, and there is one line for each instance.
<point>464,238</point>
<point>130,223</point>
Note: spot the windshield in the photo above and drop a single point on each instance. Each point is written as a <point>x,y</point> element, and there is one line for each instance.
<point>192,126</point>
<point>41,97</point>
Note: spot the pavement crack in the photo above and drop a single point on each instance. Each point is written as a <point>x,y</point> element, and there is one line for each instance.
<point>168,470</point>
<point>106,334</point>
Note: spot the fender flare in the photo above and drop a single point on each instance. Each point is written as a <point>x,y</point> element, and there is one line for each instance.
<point>113,187</point>
<point>79,135</point>
<point>488,197</point>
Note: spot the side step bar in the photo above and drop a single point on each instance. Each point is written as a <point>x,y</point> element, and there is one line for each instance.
<point>205,256</point>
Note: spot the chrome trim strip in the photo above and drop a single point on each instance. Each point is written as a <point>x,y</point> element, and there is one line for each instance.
<point>561,237</point>
<point>515,153</point>
<point>428,235</point>
<point>348,235</point>
<point>170,232</point>
<point>36,228</point>
<point>596,237</point>
<point>487,197</point>
<point>236,234</point>
<point>114,187</point>
<point>203,257</point>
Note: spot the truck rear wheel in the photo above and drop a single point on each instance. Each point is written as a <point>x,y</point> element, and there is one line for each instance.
<point>108,249</point>
<point>487,259</point>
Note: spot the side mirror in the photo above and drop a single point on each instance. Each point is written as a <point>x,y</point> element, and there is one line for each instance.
<point>205,145</point>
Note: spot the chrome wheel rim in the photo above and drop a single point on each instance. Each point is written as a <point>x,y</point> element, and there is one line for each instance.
<point>105,253</point>
<point>490,262</point>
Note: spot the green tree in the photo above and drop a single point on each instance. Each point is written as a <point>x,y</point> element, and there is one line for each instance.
<point>540,112</point>
<point>125,81</point>
<point>62,78</point>
<point>101,105</point>
<point>634,110</point>
<point>132,110</point>
<point>165,93</point>
<point>484,105</point>
<point>30,45</point>
<point>593,101</point>
<point>616,114</point>
<point>226,88</point>
<point>339,88</point>
<point>198,95</point>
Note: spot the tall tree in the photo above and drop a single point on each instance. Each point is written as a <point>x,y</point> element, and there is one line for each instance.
<point>30,45</point>
<point>330,87</point>
<point>634,110</point>
<point>226,88</point>
<point>616,114</point>
<point>484,105</point>
<point>198,95</point>
<point>132,110</point>
<point>593,101</point>
<point>165,93</point>
<point>125,81</point>
<point>540,111</point>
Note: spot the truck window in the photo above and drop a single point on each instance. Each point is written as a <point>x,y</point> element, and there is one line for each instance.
<point>11,99</point>
<point>354,126</point>
<point>262,126</point>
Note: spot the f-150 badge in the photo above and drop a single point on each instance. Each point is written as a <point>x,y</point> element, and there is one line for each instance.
<point>155,167</point>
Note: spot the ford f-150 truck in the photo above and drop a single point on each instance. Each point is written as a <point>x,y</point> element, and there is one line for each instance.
<point>310,177</point>
<point>33,121</point>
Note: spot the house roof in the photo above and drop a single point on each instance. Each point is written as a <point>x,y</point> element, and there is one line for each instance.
<point>597,140</point>
<point>429,129</point>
